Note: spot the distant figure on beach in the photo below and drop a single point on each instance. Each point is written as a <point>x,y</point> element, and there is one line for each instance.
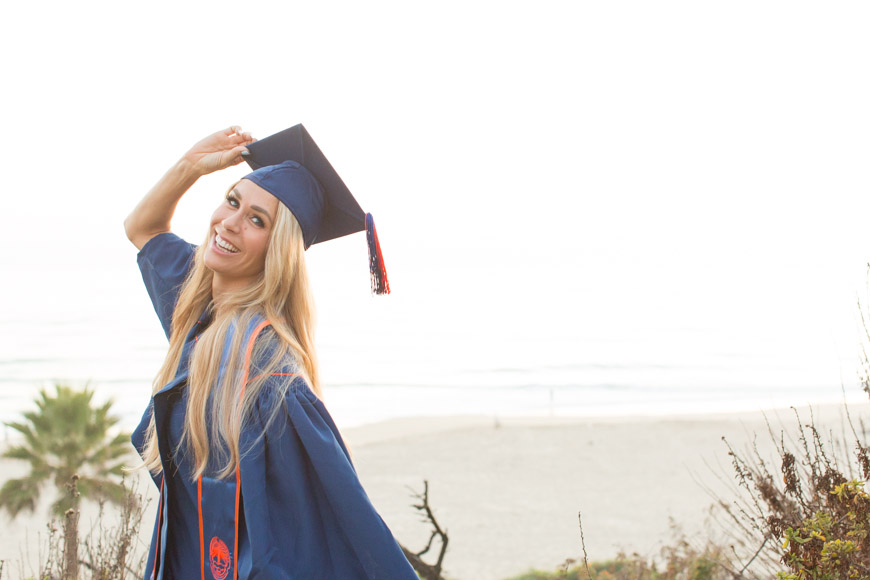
<point>255,480</point>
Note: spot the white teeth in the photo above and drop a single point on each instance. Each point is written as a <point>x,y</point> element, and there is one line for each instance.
<point>225,244</point>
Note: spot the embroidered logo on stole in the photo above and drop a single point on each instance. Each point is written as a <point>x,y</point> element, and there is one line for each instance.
<point>220,558</point>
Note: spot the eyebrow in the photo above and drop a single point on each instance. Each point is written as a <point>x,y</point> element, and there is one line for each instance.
<point>253,207</point>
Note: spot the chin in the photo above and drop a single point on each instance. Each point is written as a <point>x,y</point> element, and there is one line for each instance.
<point>209,260</point>
<point>213,263</point>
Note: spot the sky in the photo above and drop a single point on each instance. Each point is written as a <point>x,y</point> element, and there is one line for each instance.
<point>630,165</point>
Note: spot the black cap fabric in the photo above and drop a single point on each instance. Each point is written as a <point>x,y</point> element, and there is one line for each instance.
<point>325,212</point>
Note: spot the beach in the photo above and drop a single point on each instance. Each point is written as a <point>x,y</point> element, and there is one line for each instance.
<point>508,490</point>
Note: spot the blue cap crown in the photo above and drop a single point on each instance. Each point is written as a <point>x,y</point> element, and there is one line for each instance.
<point>297,188</point>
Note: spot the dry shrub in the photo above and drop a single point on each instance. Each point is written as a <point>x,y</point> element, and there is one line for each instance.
<point>808,518</point>
<point>116,552</point>
<point>107,552</point>
<point>679,561</point>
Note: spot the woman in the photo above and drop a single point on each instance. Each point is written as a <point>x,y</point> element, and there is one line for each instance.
<point>255,480</point>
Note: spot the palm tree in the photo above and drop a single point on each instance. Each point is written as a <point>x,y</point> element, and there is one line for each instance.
<point>66,436</point>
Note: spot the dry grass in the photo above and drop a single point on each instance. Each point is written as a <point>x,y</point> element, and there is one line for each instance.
<point>105,552</point>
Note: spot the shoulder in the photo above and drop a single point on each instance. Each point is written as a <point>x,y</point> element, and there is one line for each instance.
<point>269,354</point>
<point>273,364</point>
<point>165,248</point>
<point>280,401</point>
<point>164,262</point>
<point>274,375</point>
<point>285,387</point>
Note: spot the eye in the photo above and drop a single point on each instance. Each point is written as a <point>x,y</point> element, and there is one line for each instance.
<point>232,200</point>
<point>258,222</point>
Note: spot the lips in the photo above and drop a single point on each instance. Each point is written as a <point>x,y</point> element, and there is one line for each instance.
<point>224,245</point>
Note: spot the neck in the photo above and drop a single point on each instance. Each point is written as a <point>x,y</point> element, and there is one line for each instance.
<point>222,288</point>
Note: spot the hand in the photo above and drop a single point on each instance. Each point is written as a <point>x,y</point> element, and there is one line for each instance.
<point>219,150</point>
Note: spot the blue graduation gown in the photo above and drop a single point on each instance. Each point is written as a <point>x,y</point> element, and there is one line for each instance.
<point>298,511</point>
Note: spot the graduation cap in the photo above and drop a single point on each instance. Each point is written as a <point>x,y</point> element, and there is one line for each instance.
<point>291,166</point>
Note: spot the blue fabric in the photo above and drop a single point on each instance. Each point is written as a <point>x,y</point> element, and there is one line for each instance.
<point>303,512</point>
<point>164,262</point>
<point>295,187</point>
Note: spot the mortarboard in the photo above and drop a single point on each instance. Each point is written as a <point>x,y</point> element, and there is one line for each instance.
<point>291,166</point>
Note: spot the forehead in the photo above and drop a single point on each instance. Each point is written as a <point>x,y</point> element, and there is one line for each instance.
<point>253,194</point>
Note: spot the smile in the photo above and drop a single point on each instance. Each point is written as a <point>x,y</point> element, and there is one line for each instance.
<point>224,245</point>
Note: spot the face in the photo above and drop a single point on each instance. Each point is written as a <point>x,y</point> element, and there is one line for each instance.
<point>240,230</point>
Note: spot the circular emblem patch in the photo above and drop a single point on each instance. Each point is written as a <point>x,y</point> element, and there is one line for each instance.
<point>219,556</point>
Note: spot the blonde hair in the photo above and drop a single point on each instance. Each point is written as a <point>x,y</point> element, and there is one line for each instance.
<point>214,416</point>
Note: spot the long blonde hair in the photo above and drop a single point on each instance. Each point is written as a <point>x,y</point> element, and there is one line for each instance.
<point>282,296</point>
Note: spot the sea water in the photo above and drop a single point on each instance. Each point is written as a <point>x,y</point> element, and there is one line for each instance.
<point>470,333</point>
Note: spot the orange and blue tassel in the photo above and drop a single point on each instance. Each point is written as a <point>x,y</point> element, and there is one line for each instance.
<point>377,269</point>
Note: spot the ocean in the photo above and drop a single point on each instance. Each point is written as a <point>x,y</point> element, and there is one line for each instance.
<point>479,332</point>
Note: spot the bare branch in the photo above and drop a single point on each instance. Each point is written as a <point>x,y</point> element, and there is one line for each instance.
<point>426,570</point>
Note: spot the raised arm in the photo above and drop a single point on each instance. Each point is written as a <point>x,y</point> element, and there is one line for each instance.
<point>154,212</point>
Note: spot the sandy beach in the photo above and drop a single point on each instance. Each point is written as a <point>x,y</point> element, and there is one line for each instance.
<point>508,490</point>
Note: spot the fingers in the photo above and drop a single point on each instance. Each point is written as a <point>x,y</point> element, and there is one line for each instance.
<point>236,134</point>
<point>241,138</point>
<point>236,154</point>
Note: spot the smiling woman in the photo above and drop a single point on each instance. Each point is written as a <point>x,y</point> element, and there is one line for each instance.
<point>239,237</point>
<point>255,480</point>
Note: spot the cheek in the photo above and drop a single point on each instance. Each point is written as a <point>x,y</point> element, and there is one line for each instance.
<point>217,217</point>
<point>260,246</point>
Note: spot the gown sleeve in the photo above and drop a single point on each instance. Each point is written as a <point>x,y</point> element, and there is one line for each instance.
<point>164,262</point>
<point>306,513</point>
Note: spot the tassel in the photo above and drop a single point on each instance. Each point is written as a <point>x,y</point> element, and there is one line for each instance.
<point>377,269</point>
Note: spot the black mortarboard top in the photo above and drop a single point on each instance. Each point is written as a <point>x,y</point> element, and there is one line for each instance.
<point>291,166</point>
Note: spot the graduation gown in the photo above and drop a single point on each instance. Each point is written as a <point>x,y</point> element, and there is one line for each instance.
<point>295,508</point>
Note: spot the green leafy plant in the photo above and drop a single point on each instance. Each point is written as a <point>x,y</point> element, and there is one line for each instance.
<point>810,521</point>
<point>66,436</point>
<point>833,543</point>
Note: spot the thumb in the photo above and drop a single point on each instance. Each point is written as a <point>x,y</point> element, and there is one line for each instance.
<point>237,154</point>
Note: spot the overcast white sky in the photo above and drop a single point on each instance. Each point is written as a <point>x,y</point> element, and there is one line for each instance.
<point>704,154</point>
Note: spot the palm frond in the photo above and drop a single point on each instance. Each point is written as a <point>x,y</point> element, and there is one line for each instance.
<point>19,495</point>
<point>67,434</point>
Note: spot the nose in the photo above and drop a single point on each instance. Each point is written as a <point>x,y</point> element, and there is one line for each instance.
<point>232,222</point>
